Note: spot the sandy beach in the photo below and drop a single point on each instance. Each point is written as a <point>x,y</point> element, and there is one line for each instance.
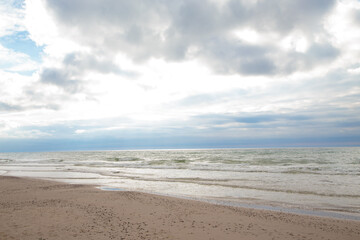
<point>37,209</point>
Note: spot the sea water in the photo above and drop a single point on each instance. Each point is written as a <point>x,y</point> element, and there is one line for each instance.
<point>307,179</point>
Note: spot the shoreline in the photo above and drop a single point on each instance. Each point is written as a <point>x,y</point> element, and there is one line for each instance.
<point>241,204</point>
<point>269,206</point>
<point>34,209</point>
<point>248,203</point>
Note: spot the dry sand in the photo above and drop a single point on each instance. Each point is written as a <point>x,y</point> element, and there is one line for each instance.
<point>36,209</point>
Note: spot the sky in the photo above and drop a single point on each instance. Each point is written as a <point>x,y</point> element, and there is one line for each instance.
<point>140,74</point>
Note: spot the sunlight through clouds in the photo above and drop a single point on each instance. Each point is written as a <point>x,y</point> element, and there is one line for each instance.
<point>228,69</point>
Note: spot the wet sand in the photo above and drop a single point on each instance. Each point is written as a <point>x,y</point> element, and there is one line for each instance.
<point>37,209</point>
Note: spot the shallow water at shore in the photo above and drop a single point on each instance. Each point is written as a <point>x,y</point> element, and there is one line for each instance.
<point>323,179</point>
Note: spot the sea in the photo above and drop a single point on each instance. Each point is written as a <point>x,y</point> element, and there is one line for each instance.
<point>315,181</point>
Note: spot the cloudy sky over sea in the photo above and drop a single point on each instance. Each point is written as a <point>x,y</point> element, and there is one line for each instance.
<point>114,74</point>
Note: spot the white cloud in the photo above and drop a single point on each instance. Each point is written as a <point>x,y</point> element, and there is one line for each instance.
<point>12,22</point>
<point>11,19</point>
<point>344,31</point>
<point>16,61</point>
<point>249,35</point>
<point>80,131</point>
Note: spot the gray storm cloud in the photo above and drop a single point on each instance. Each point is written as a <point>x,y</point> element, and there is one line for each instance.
<point>187,29</point>
<point>60,78</point>
<point>6,107</point>
<point>69,75</point>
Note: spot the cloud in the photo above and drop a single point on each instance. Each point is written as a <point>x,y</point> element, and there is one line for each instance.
<point>272,125</point>
<point>80,62</point>
<point>316,55</point>
<point>6,107</point>
<point>21,107</point>
<point>11,18</point>
<point>319,52</point>
<point>237,129</point>
<point>11,24</point>
<point>204,30</point>
<point>16,61</point>
<point>61,79</point>
<point>356,17</point>
<point>22,94</point>
<point>231,56</point>
<point>245,120</point>
<point>283,16</point>
<point>72,74</point>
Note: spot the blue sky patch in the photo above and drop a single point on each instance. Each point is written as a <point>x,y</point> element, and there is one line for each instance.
<point>21,42</point>
<point>18,3</point>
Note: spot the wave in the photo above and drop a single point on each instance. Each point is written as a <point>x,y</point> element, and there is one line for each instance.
<point>200,181</point>
<point>6,160</point>
<point>124,159</point>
